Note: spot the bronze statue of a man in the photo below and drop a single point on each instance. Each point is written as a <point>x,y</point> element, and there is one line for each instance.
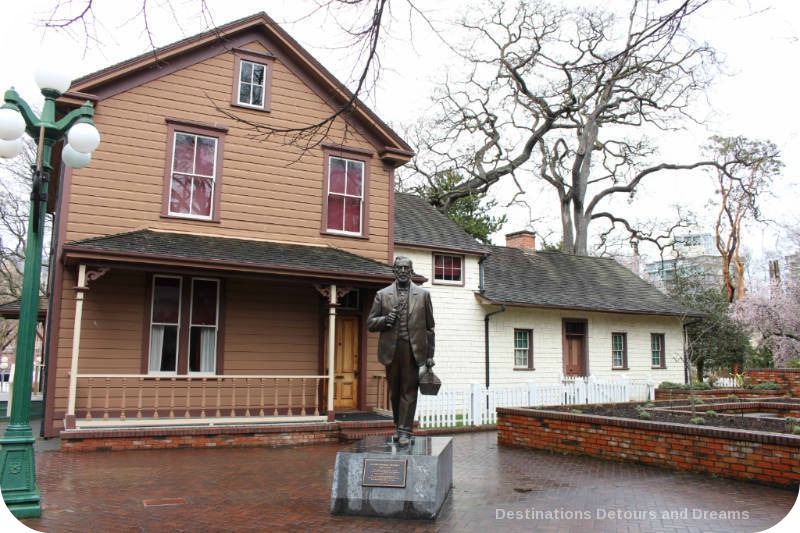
<point>403,314</point>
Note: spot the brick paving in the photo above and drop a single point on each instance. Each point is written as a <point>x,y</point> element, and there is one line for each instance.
<point>288,489</point>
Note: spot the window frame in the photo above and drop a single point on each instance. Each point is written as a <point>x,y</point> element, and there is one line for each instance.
<point>662,355</point>
<point>529,355</point>
<point>192,325</point>
<point>151,323</point>
<point>185,309</point>
<point>174,127</point>
<point>347,154</point>
<point>434,280</point>
<point>258,58</point>
<point>624,355</point>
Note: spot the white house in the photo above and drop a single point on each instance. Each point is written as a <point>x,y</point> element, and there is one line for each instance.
<point>509,314</point>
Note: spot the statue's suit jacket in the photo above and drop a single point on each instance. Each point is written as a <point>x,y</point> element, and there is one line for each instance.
<point>420,323</point>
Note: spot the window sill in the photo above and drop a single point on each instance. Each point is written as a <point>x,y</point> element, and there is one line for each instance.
<point>524,369</point>
<point>240,105</point>
<point>620,368</point>
<point>444,283</point>
<point>345,235</point>
<point>190,218</point>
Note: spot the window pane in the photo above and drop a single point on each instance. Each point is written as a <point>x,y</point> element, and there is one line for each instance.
<point>183,159</point>
<point>202,349</point>
<point>206,156</point>
<point>180,194</point>
<point>355,177</point>
<point>335,212</point>
<point>337,176</point>
<point>258,96</point>
<point>166,300</point>
<point>352,219</point>
<point>201,199</point>
<point>204,302</point>
<point>246,74</point>
<point>169,350</point>
<point>244,93</point>
<point>258,74</point>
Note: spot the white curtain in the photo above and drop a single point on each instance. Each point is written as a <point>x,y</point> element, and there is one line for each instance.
<point>156,347</point>
<point>208,349</point>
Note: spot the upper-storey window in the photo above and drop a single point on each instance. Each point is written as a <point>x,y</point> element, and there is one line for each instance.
<point>345,196</point>
<point>192,180</point>
<point>448,269</point>
<point>193,175</point>
<point>252,79</point>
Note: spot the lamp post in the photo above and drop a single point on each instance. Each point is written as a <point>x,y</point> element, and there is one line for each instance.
<point>17,467</point>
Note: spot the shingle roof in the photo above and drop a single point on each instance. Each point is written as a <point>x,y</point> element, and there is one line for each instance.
<point>417,223</point>
<point>11,309</point>
<point>221,252</point>
<point>557,280</point>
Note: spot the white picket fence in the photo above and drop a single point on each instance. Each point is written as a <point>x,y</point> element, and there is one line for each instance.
<point>475,405</point>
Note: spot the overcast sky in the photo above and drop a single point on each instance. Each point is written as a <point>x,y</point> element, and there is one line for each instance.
<point>756,97</point>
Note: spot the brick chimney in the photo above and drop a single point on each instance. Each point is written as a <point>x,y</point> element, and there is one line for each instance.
<point>524,240</point>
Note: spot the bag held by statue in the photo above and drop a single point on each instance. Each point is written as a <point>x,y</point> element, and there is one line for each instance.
<point>429,383</point>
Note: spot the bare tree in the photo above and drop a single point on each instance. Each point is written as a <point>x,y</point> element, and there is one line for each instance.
<point>745,174</point>
<point>564,95</point>
<point>361,22</point>
<point>15,190</point>
<point>772,314</point>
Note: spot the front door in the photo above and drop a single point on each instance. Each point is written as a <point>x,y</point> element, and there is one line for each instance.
<point>575,348</point>
<point>345,392</point>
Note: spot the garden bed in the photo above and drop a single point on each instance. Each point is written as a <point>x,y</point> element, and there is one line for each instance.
<point>774,415</point>
<point>666,439</point>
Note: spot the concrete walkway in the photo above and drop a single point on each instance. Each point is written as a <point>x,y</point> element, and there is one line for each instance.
<point>288,489</point>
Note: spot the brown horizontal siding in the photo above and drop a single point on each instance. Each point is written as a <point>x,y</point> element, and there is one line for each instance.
<point>269,190</point>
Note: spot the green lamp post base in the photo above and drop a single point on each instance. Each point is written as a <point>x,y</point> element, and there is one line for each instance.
<point>18,482</point>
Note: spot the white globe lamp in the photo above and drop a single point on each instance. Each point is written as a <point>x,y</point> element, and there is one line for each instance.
<point>84,137</point>
<point>53,79</point>
<point>12,125</point>
<point>9,149</point>
<point>73,158</point>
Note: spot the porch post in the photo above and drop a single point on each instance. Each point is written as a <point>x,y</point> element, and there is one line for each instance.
<point>331,349</point>
<point>69,421</point>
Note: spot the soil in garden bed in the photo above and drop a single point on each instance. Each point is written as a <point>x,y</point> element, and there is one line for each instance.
<point>679,412</point>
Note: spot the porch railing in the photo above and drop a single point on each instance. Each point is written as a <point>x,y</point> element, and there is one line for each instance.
<point>135,399</point>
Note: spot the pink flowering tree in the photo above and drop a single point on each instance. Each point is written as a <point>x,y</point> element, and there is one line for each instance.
<point>772,315</point>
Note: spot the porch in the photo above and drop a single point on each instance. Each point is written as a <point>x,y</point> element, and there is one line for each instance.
<point>142,400</point>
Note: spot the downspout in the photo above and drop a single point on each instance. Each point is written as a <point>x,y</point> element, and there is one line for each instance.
<point>486,337</point>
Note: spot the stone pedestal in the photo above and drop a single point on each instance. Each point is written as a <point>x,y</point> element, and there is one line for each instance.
<point>375,477</point>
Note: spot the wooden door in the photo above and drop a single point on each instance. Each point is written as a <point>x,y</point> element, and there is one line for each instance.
<point>345,392</point>
<point>574,360</point>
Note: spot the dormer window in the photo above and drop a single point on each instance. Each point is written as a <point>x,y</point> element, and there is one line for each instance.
<point>252,80</point>
<point>252,77</point>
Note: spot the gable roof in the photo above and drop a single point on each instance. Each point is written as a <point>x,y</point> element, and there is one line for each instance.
<point>418,224</point>
<point>148,247</point>
<point>167,59</point>
<point>562,281</point>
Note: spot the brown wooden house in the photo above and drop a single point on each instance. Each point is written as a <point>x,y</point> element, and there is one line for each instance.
<point>205,273</point>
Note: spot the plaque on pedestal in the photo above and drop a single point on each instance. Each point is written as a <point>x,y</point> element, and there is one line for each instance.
<point>375,477</point>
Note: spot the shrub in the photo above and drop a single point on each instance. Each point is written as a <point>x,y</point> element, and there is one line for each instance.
<point>683,386</point>
<point>697,420</point>
<point>767,385</point>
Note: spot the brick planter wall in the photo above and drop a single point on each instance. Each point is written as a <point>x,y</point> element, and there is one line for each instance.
<point>208,437</point>
<point>768,458</point>
<point>788,378</point>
